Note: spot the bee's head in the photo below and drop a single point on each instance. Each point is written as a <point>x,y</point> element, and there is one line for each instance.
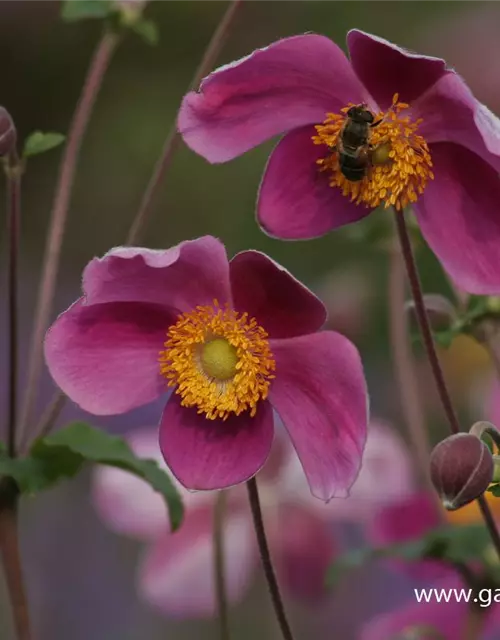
<point>361,114</point>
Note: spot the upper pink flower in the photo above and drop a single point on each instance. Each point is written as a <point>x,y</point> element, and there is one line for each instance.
<point>301,85</point>
<point>236,340</point>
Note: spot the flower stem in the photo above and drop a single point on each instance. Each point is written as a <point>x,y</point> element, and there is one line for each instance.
<point>279,609</point>
<point>13,171</point>
<point>9,550</point>
<point>425,329</point>
<point>170,146</point>
<point>219,564</point>
<point>404,365</point>
<point>78,127</point>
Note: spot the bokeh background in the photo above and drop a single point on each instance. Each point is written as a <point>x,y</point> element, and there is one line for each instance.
<point>81,576</point>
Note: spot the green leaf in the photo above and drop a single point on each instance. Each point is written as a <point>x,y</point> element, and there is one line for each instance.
<point>40,142</point>
<point>62,454</point>
<point>495,490</point>
<point>450,544</point>
<point>74,10</point>
<point>148,30</point>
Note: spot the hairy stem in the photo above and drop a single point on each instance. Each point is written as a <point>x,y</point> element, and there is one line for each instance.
<point>207,62</point>
<point>11,558</point>
<point>279,609</point>
<point>219,565</point>
<point>78,127</point>
<point>13,172</point>
<point>428,340</point>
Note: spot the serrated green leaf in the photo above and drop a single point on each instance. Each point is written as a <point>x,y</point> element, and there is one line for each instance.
<point>62,454</point>
<point>148,30</point>
<point>40,142</point>
<point>450,544</point>
<point>74,10</point>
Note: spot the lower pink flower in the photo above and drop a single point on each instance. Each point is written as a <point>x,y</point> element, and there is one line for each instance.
<point>176,572</point>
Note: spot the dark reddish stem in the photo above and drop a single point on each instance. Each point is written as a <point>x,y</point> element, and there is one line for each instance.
<point>267,564</point>
<point>13,172</point>
<point>428,340</point>
<point>11,557</point>
<point>207,63</point>
<point>78,127</point>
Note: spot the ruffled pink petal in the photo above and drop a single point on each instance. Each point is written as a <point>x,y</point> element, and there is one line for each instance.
<point>214,454</point>
<point>269,293</point>
<point>189,274</point>
<point>386,69</point>
<point>447,618</point>
<point>129,505</point>
<point>177,575</point>
<point>450,113</point>
<point>292,82</point>
<point>295,199</point>
<point>459,215</point>
<point>105,356</point>
<point>302,547</point>
<point>320,394</point>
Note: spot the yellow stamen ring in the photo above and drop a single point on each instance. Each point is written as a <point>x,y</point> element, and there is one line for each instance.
<point>400,159</point>
<point>219,361</point>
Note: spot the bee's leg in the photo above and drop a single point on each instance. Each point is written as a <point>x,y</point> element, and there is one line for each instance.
<point>376,123</point>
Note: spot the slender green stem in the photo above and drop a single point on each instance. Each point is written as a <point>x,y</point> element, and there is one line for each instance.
<point>78,127</point>
<point>207,62</point>
<point>267,564</point>
<point>219,565</point>
<point>13,171</point>
<point>428,340</point>
<point>11,557</point>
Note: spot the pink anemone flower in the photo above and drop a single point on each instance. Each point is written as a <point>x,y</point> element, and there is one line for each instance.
<point>235,340</point>
<point>434,145</point>
<point>408,520</point>
<point>176,572</point>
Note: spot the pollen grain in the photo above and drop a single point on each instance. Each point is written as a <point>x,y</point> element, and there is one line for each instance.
<point>401,163</point>
<point>219,360</point>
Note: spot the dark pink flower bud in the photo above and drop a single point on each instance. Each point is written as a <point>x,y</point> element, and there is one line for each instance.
<point>7,133</point>
<point>461,469</point>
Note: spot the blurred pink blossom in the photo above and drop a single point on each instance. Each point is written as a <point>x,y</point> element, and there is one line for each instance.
<point>176,571</point>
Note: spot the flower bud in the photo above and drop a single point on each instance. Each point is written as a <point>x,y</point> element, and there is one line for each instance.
<point>7,133</point>
<point>130,10</point>
<point>461,469</point>
<point>441,312</point>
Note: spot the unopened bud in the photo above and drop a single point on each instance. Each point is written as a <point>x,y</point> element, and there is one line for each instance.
<point>461,469</point>
<point>442,314</point>
<point>7,133</point>
<point>130,10</point>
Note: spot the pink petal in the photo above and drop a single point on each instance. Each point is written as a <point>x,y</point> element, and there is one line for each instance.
<point>386,69</point>
<point>404,521</point>
<point>269,293</point>
<point>448,618</point>
<point>320,394</point>
<point>105,357</point>
<point>214,454</point>
<point>295,199</point>
<point>127,504</point>
<point>386,475</point>
<point>459,214</point>
<point>302,548</point>
<point>290,83</point>
<point>189,274</point>
<point>177,574</point>
<point>450,113</point>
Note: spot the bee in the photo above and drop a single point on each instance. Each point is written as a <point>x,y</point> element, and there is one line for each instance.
<point>353,144</point>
